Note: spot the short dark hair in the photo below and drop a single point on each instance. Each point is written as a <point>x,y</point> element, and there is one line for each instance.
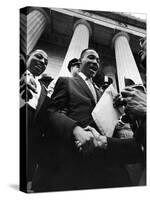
<point>83,52</point>
<point>72,63</point>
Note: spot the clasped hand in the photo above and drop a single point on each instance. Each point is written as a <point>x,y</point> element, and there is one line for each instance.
<point>88,139</point>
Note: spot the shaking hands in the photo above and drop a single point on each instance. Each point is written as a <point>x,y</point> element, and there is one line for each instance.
<point>88,139</point>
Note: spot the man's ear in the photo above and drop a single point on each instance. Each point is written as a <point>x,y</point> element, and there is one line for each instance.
<point>80,60</point>
<point>71,68</point>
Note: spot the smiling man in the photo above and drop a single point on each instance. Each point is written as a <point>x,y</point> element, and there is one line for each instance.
<point>32,96</point>
<point>90,62</point>
<point>30,86</point>
<point>37,62</point>
<point>79,95</point>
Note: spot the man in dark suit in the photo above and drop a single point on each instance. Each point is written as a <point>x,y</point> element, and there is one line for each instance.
<point>32,96</point>
<point>69,113</point>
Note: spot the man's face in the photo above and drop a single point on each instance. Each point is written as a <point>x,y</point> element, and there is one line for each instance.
<point>90,63</point>
<point>37,62</point>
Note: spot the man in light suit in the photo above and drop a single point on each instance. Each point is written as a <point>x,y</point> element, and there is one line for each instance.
<point>69,113</point>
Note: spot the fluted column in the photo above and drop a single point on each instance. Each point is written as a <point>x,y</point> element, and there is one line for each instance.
<point>23,33</point>
<point>31,28</point>
<point>126,65</point>
<point>79,41</point>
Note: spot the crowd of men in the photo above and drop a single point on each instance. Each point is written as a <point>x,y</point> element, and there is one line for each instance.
<point>65,149</point>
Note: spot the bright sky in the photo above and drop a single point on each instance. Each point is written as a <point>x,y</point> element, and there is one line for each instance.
<point>138,15</point>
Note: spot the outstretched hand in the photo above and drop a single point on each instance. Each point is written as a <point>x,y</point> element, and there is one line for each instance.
<point>99,140</point>
<point>83,140</point>
<point>92,139</point>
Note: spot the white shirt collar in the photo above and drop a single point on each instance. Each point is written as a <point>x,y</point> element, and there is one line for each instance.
<point>84,77</point>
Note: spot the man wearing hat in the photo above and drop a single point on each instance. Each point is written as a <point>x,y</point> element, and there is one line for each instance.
<point>74,66</point>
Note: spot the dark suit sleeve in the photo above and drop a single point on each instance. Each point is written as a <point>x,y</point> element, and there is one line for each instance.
<point>60,94</point>
<point>125,150</point>
<point>60,123</point>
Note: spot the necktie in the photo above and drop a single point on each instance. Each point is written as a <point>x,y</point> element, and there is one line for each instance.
<point>92,89</point>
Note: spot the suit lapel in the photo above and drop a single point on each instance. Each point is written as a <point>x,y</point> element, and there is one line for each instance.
<point>98,93</point>
<point>84,86</point>
<point>41,100</point>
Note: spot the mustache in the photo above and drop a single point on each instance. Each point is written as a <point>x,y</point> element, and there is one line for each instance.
<point>36,67</point>
<point>39,63</point>
<point>93,66</point>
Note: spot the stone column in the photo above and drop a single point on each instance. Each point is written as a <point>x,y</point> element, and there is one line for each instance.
<point>31,28</point>
<point>110,71</point>
<point>23,33</point>
<point>126,68</point>
<point>126,65</point>
<point>79,41</point>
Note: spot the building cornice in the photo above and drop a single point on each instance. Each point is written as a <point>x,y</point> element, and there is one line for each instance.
<point>103,21</point>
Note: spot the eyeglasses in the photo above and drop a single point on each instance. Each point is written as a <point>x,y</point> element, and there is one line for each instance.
<point>41,57</point>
